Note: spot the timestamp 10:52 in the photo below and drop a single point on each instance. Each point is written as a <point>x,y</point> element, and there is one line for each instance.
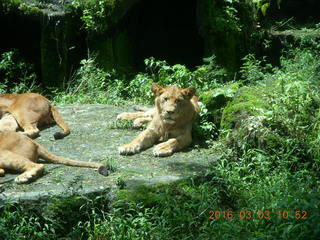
<point>245,214</point>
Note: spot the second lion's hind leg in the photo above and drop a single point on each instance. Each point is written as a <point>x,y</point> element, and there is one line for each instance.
<point>28,124</point>
<point>31,174</point>
<point>8,123</point>
<point>13,161</point>
<point>140,118</point>
<point>129,115</point>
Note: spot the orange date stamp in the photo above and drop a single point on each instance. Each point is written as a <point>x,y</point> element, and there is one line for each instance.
<point>263,214</point>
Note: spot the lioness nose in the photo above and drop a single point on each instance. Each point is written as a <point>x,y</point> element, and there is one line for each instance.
<point>170,111</point>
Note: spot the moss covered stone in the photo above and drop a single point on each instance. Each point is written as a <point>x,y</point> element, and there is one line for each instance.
<point>146,194</point>
<point>215,100</point>
<point>219,97</point>
<point>153,195</point>
<point>249,101</point>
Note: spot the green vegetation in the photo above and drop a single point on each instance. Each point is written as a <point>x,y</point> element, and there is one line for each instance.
<point>263,5</point>
<point>16,75</point>
<point>267,166</point>
<point>88,85</point>
<point>262,123</point>
<point>279,113</point>
<point>95,14</point>
<point>23,7</point>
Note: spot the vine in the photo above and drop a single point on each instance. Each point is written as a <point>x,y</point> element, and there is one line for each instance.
<point>263,5</point>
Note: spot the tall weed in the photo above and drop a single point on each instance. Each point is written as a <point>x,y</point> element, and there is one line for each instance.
<point>90,84</point>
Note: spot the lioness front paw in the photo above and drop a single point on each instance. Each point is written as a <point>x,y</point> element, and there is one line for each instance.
<point>23,178</point>
<point>162,150</point>
<point>129,149</point>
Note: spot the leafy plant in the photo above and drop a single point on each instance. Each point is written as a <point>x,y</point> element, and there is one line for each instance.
<point>254,70</point>
<point>224,16</point>
<point>88,85</point>
<point>205,130</point>
<point>205,77</point>
<point>95,14</point>
<point>263,5</point>
<point>16,74</point>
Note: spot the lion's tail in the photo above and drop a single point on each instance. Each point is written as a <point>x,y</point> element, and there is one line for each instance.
<point>60,122</point>
<point>44,154</point>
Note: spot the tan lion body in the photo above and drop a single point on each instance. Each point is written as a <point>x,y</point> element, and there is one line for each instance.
<point>170,121</point>
<point>20,153</point>
<point>30,111</point>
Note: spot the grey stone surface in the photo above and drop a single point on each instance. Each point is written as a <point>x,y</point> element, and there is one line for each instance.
<point>95,137</point>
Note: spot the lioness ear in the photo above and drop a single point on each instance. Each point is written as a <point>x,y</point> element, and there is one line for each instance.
<point>189,92</point>
<point>156,89</point>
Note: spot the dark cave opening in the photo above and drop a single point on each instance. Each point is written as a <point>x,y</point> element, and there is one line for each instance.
<point>24,34</point>
<point>166,30</point>
<point>53,45</point>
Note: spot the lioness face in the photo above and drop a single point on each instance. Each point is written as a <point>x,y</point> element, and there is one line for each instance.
<point>170,101</point>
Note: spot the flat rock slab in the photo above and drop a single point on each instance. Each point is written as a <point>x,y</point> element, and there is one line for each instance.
<point>96,137</point>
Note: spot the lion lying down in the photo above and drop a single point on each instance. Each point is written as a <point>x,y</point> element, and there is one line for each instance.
<point>170,121</point>
<point>30,111</point>
<point>20,153</point>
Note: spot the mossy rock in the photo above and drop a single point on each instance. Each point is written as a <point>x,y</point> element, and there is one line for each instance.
<point>298,37</point>
<point>249,101</point>
<point>153,194</point>
<point>219,97</point>
<point>146,194</point>
<point>215,100</point>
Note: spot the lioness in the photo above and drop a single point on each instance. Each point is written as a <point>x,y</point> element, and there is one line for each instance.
<point>30,111</point>
<point>20,153</point>
<point>171,121</point>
